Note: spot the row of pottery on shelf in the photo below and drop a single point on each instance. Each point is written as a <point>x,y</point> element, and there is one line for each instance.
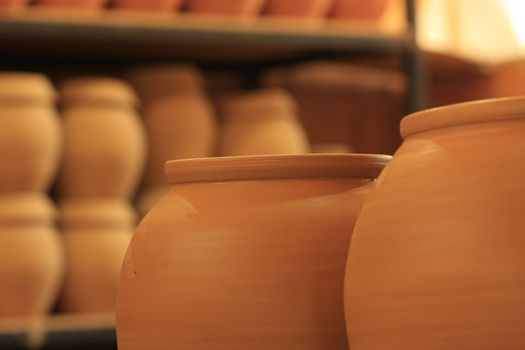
<point>370,10</point>
<point>251,252</point>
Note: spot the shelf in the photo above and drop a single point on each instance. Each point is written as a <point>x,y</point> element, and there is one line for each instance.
<point>59,332</point>
<point>118,36</point>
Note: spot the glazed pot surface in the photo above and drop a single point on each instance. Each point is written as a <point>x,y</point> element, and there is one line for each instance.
<point>436,260</point>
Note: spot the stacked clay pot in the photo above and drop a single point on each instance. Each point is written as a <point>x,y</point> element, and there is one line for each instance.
<point>31,260</point>
<point>179,121</point>
<point>245,253</point>
<point>104,155</point>
<point>306,9</point>
<point>436,260</point>
<point>356,10</point>
<point>262,122</point>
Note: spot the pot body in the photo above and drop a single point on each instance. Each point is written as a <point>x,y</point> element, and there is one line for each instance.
<point>293,8</point>
<point>12,5</point>
<point>30,146</point>
<point>91,5</point>
<point>226,7</point>
<point>241,264</point>
<point>436,260</point>
<point>104,152</point>
<point>31,260</point>
<point>180,126</point>
<point>369,11</point>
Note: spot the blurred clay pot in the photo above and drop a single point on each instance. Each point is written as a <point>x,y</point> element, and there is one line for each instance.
<point>105,144</point>
<point>294,8</point>
<point>262,122</point>
<point>30,132</point>
<point>367,11</point>
<point>245,253</point>
<point>178,127</point>
<point>12,5</point>
<point>159,81</point>
<point>31,261</point>
<point>148,5</point>
<point>96,233</point>
<point>436,260</point>
<point>148,197</point>
<point>81,5</point>
<point>244,8</point>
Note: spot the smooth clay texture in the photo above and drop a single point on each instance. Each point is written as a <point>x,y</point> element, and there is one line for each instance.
<point>437,258</point>
<point>245,253</point>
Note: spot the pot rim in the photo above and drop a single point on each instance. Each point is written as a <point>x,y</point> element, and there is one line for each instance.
<point>267,167</point>
<point>480,111</point>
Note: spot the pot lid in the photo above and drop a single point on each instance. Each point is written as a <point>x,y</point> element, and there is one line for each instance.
<point>239,168</point>
<point>97,90</point>
<point>22,86</point>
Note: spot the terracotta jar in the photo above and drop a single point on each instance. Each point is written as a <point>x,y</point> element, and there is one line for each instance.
<point>12,5</point>
<point>159,81</point>
<point>31,258</point>
<point>179,126</point>
<point>244,8</point>
<point>367,11</point>
<point>30,132</point>
<point>245,253</point>
<point>262,122</point>
<point>105,145</point>
<point>436,260</point>
<point>96,233</point>
<point>84,5</point>
<point>148,5</point>
<point>302,9</point>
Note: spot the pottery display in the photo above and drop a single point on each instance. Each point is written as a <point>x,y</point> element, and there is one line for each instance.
<point>262,122</point>
<point>244,8</point>
<point>245,253</point>
<point>12,5</point>
<point>148,5</point>
<point>105,147</point>
<point>31,260</point>
<point>366,11</point>
<point>96,233</point>
<point>178,127</point>
<point>301,9</point>
<point>30,132</point>
<point>436,260</point>
<point>84,5</point>
<point>159,81</point>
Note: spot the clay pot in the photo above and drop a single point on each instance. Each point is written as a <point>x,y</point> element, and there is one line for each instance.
<point>104,146</point>
<point>148,5</point>
<point>263,122</point>
<point>367,11</point>
<point>436,260</point>
<point>159,81</point>
<point>84,5</point>
<point>330,148</point>
<point>244,8</point>
<point>12,5</point>
<point>178,127</point>
<point>96,233</point>
<point>31,259</point>
<point>245,253</point>
<point>30,133</point>
<point>294,8</point>
<point>148,197</point>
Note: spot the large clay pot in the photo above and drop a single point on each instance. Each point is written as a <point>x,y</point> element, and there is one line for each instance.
<point>148,5</point>
<point>177,127</point>
<point>294,8</point>
<point>105,145</point>
<point>262,122</point>
<point>436,260</point>
<point>245,253</point>
<point>244,8</point>
<point>96,233</point>
<point>30,132</point>
<point>31,260</point>
<point>359,10</point>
